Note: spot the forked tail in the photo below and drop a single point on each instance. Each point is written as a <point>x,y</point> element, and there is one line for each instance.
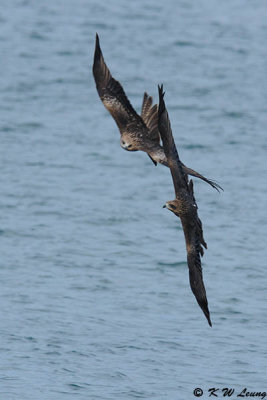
<point>212,183</point>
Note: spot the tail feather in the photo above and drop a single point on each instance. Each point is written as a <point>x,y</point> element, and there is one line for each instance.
<point>212,183</point>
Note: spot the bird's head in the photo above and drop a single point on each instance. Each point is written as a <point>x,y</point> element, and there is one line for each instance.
<point>127,144</point>
<point>172,206</point>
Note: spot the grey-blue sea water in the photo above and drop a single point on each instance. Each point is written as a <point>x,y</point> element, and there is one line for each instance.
<point>95,298</point>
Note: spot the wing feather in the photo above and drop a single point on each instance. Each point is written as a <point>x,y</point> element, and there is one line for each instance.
<point>191,223</point>
<point>149,115</point>
<point>178,176</point>
<point>146,106</point>
<point>112,94</point>
<point>194,250</point>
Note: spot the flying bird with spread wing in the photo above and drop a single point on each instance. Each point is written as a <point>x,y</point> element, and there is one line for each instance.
<point>184,206</point>
<point>137,132</point>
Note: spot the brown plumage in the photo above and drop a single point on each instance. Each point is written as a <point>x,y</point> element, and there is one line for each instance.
<point>137,132</point>
<point>184,206</point>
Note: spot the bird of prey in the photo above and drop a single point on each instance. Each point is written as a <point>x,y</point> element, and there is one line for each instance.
<point>184,206</point>
<point>137,132</point>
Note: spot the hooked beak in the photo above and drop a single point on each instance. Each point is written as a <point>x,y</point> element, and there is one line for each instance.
<point>164,206</point>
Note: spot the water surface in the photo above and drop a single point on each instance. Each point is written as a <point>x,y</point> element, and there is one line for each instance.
<point>95,299</point>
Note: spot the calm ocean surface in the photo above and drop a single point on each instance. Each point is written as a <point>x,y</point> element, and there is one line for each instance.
<point>95,298</point>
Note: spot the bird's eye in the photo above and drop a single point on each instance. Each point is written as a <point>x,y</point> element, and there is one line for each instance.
<point>123,142</point>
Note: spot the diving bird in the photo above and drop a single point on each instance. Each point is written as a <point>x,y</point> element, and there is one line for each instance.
<point>137,132</point>
<point>184,206</point>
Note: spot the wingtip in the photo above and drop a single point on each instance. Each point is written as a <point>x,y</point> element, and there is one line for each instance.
<point>203,304</point>
<point>160,89</point>
<point>207,315</point>
<point>97,46</point>
<point>97,56</point>
<point>161,100</point>
<point>209,321</point>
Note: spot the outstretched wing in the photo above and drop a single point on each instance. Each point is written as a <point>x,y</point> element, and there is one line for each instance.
<point>191,223</point>
<point>193,233</point>
<point>112,94</point>
<point>193,247</point>
<point>198,221</point>
<point>194,239</point>
<point>178,176</point>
